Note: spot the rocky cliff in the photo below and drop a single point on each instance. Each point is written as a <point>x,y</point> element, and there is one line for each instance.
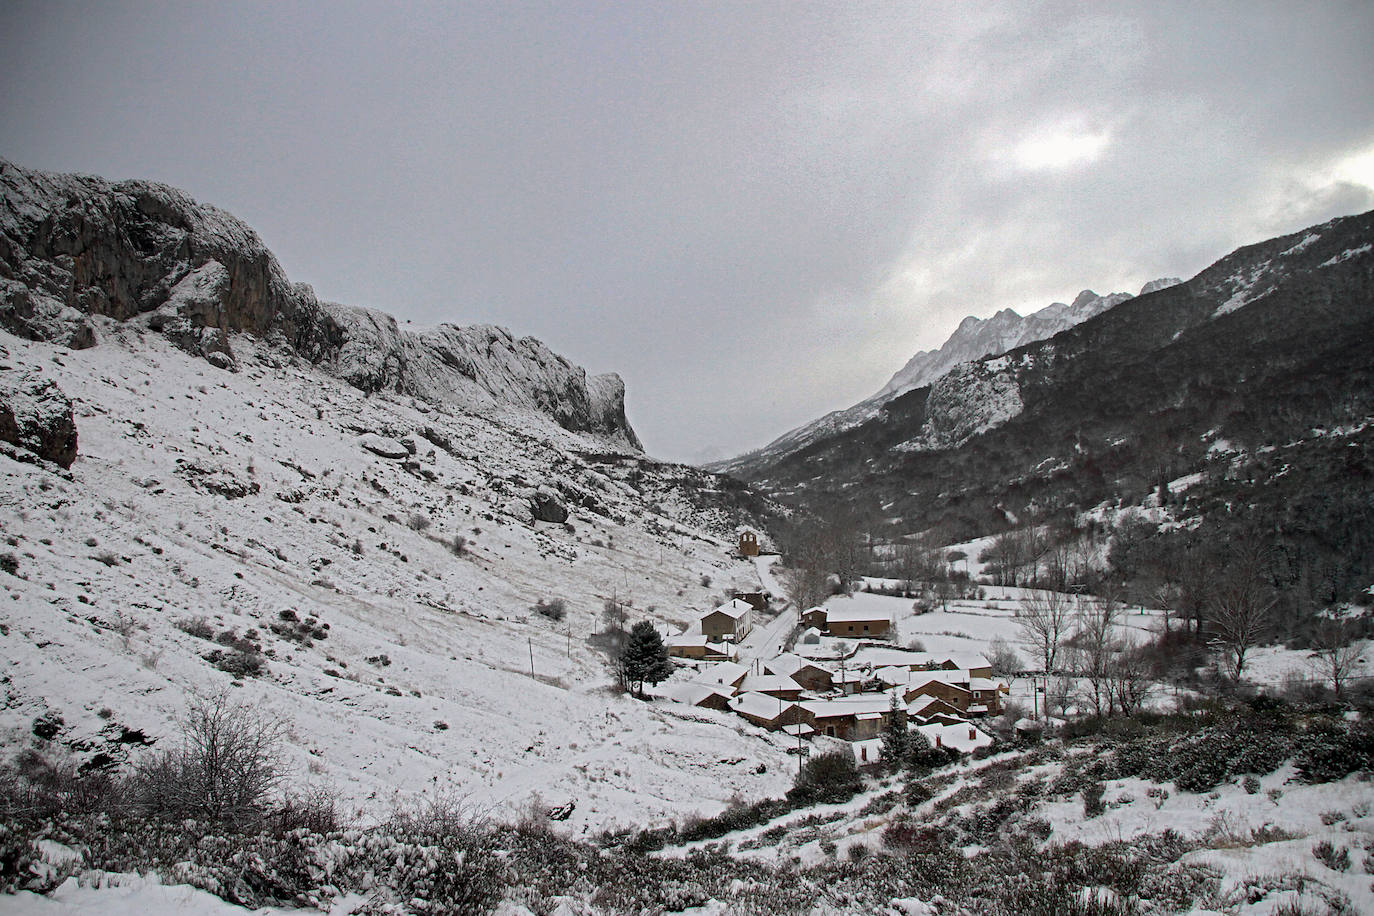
<point>78,253</point>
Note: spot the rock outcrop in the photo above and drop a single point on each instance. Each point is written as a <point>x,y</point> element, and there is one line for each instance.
<point>547,506</point>
<point>77,250</point>
<point>37,417</point>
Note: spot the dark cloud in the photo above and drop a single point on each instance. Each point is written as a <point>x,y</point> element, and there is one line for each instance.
<point>754,212</point>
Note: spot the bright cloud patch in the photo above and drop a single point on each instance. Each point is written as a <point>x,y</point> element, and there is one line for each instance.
<point>1060,148</point>
<point>1357,169</point>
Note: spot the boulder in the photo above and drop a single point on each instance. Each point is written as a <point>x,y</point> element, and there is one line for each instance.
<point>383,446</point>
<point>37,417</point>
<point>546,506</point>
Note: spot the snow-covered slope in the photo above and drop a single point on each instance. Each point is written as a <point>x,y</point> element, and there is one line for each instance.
<point>973,339</point>
<point>261,480</point>
<point>251,502</point>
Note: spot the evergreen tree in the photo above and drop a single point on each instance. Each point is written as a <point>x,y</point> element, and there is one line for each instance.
<point>644,658</point>
<point>896,738</point>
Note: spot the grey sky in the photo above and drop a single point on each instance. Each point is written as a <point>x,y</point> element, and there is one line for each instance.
<point>755,212</point>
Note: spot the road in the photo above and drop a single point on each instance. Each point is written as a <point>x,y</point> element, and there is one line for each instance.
<point>766,638</point>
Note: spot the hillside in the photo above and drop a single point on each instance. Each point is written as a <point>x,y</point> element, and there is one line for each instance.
<point>335,521</point>
<point>1242,394</point>
<point>972,340</point>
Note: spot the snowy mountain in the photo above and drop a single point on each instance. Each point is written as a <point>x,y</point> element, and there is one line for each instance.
<point>210,481</point>
<point>973,339</point>
<point>1252,380</point>
<point>74,248</point>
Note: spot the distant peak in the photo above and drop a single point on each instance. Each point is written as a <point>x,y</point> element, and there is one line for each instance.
<point>1084,298</point>
<point>1155,286</point>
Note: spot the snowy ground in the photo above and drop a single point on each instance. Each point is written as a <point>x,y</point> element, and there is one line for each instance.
<point>199,493</point>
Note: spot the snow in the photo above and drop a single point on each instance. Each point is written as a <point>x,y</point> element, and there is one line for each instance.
<point>1347,255</point>
<point>131,895</point>
<point>136,541</point>
<point>1301,246</point>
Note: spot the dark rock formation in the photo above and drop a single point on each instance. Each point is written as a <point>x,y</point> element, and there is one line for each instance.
<point>37,417</point>
<point>383,446</point>
<point>546,506</point>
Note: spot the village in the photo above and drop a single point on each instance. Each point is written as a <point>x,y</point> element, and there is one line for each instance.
<point>829,673</point>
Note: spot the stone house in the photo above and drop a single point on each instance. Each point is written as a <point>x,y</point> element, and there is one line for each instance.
<point>732,620</point>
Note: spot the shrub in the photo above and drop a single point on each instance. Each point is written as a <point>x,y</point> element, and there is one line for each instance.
<point>1334,750</point>
<point>554,610</point>
<point>458,546</point>
<point>1092,799</point>
<point>1250,783</point>
<point>9,563</point>
<point>227,764</point>
<point>238,663</point>
<point>826,778</point>
<point>417,522</point>
<point>1336,858</point>
<point>198,627</point>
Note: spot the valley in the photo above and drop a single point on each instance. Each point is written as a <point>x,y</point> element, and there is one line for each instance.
<point>407,561</point>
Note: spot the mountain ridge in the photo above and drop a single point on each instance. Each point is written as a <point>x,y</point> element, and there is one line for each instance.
<point>972,339</point>
<point>76,249</point>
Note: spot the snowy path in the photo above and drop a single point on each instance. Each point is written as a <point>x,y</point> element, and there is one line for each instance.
<point>766,639</point>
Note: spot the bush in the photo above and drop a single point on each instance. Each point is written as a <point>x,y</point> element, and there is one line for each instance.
<point>228,763</point>
<point>198,627</point>
<point>238,663</point>
<point>1092,799</point>
<point>417,522</point>
<point>826,778</point>
<point>1333,750</point>
<point>554,610</point>
<point>1336,858</point>
<point>9,563</point>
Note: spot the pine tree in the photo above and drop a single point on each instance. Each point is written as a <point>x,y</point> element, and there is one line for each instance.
<point>896,738</point>
<point>644,659</point>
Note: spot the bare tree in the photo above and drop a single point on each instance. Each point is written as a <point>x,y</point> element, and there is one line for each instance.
<point>1130,679</point>
<point>1098,646</point>
<point>228,764</point>
<point>1003,658</point>
<point>1044,620</point>
<point>1240,604</point>
<point>1334,656</point>
<point>806,586</point>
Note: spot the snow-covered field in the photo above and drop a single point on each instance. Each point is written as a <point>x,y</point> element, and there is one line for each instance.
<point>241,497</point>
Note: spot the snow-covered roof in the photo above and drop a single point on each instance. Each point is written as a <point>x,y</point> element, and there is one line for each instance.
<point>759,705</point>
<point>693,694</point>
<point>763,683</point>
<point>966,659</point>
<point>848,706</point>
<point>882,656</point>
<point>722,673</point>
<point>858,614</point>
<point>953,677</point>
<point>961,737</point>
<point>788,664</point>
<point>734,608</point>
<point>893,675</point>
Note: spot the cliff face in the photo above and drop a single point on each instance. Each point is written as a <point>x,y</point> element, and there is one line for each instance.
<point>73,247</point>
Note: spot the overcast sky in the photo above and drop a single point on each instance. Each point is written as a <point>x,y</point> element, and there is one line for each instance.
<point>755,213</point>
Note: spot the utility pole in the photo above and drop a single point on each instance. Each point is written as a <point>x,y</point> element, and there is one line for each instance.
<point>531,643</point>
